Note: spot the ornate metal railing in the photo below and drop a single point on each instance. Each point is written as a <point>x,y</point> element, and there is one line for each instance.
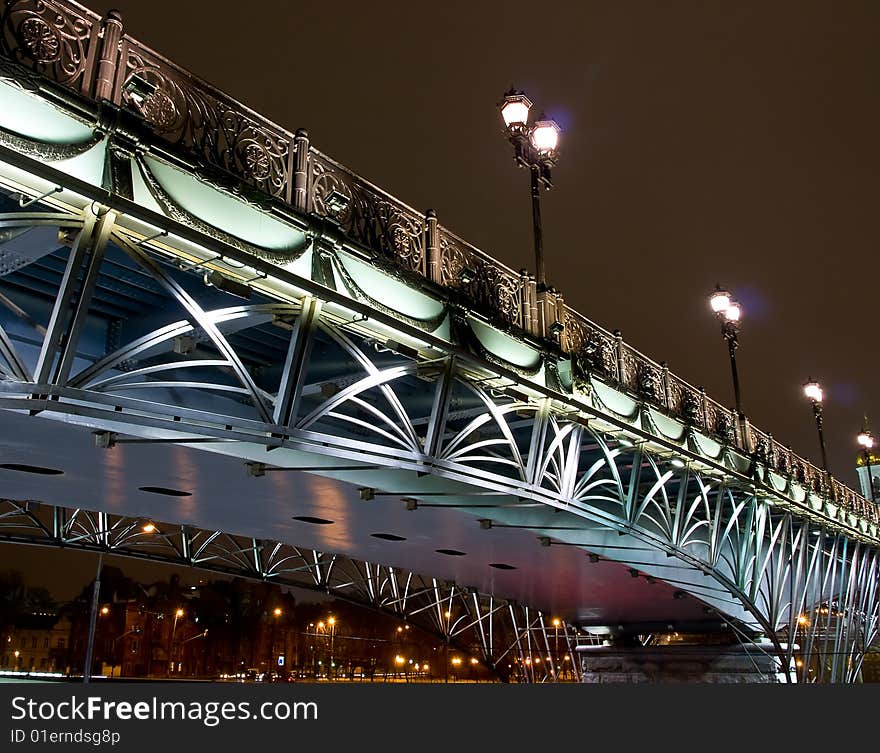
<point>67,44</point>
<point>372,218</point>
<point>215,129</point>
<point>57,40</point>
<point>505,294</point>
<point>606,355</point>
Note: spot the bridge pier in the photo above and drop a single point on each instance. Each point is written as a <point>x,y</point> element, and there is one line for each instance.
<point>724,664</point>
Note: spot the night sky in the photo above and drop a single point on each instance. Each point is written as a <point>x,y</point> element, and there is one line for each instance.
<point>703,142</point>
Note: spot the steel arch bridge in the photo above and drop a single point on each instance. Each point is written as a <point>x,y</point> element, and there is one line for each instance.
<point>516,642</point>
<point>177,271</point>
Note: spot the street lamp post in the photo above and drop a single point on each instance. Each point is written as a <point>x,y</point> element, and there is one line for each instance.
<point>534,148</point>
<point>729,313</point>
<point>136,631</point>
<point>148,528</point>
<point>320,626</point>
<point>332,623</point>
<point>556,623</point>
<point>447,615</point>
<point>272,663</point>
<point>866,440</point>
<point>93,619</point>
<point>813,392</point>
<point>313,648</point>
<point>203,634</point>
<point>178,613</point>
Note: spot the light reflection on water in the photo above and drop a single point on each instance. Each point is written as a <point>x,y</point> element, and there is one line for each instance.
<point>114,476</point>
<point>299,493</point>
<point>186,478</point>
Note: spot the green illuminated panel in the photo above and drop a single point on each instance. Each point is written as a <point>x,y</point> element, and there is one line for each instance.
<point>37,119</point>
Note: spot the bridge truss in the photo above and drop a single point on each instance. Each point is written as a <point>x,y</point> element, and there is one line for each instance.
<point>517,643</point>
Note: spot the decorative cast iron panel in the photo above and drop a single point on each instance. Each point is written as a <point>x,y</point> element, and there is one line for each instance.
<point>55,39</point>
<point>191,114</point>
<point>367,215</point>
<point>494,288</point>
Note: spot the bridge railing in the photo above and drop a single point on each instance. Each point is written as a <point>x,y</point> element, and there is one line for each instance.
<point>58,40</point>
<point>508,297</point>
<point>368,215</point>
<point>70,45</point>
<point>204,122</point>
<point>607,355</point>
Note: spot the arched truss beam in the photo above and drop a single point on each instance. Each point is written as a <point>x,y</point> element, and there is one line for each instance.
<point>515,642</point>
<point>776,557</point>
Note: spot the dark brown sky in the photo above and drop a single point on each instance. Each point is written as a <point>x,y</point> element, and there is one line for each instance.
<point>703,141</point>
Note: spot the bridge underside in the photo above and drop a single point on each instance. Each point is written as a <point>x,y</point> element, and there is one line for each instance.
<point>159,355</point>
<point>221,495</point>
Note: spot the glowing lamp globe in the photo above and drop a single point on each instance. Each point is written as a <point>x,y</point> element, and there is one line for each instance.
<point>733,312</point>
<point>719,301</point>
<point>515,109</point>
<point>545,135</point>
<point>813,391</point>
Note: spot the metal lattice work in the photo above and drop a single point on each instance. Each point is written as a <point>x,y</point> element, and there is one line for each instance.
<point>769,561</point>
<point>329,387</point>
<point>517,643</point>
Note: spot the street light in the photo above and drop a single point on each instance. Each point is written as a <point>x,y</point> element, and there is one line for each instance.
<point>313,648</point>
<point>93,619</point>
<point>556,623</point>
<point>136,630</point>
<point>178,613</point>
<point>148,528</point>
<point>729,313</point>
<point>866,440</point>
<point>813,392</point>
<point>456,663</point>
<point>331,621</point>
<point>271,662</point>
<point>534,148</point>
<point>203,634</point>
